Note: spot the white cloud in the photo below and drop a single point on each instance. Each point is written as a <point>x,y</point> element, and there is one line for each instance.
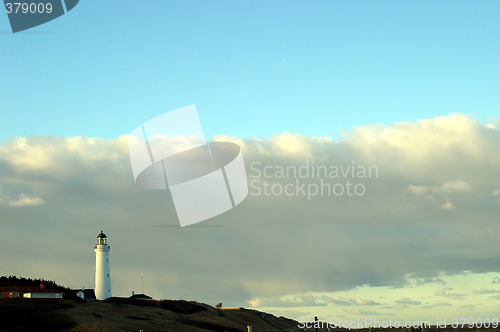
<point>456,186</point>
<point>268,246</point>
<point>22,201</point>
<point>445,293</point>
<point>417,190</point>
<point>449,187</point>
<point>448,206</point>
<point>359,301</point>
<point>441,192</point>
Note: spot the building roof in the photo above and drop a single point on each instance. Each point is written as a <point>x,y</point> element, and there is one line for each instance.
<point>27,289</point>
<point>140,296</point>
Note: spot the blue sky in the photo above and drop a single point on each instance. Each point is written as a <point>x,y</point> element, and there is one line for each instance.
<point>253,68</point>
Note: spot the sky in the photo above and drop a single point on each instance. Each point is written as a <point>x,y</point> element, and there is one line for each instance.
<point>410,89</point>
<point>253,68</point>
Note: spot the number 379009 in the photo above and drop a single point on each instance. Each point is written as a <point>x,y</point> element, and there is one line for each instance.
<point>28,8</point>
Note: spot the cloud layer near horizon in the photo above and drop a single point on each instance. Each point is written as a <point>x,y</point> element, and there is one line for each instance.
<point>432,208</point>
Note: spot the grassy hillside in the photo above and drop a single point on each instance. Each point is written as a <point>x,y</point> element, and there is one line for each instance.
<point>123,314</point>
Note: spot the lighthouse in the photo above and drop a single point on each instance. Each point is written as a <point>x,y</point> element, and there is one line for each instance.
<point>102,276</point>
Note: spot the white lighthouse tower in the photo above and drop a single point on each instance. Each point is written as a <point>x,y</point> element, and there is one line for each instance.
<point>102,276</point>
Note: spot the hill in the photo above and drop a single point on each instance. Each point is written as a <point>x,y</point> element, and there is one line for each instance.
<point>123,314</point>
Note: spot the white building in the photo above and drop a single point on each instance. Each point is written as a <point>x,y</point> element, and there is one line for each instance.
<point>102,274</point>
<point>30,292</point>
<point>43,294</point>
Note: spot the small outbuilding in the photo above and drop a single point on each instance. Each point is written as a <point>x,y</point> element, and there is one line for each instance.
<point>140,296</point>
<point>84,293</point>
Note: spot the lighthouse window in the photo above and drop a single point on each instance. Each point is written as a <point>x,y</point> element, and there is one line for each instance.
<point>107,275</point>
<point>106,259</point>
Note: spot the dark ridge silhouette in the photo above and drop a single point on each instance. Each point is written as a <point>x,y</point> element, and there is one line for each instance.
<point>124,314</point>
<point>182,307</point>
<point>211,326</point>
<point>136,302</point>
<point>34,315</point>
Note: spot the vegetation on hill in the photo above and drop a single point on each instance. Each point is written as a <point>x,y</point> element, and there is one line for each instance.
<point>19,281</point>
<point>125,314</point>
<point>33,282</point>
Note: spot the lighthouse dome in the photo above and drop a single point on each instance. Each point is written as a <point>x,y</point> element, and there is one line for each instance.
<point>101,235</point>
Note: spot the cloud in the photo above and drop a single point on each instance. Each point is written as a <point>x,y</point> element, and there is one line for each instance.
<point>424,281</point>
<point>417,190</point>
<point>454,186</point>
<point>341,301</point>
<point>300,300</point>
<point>359,301</point>
<point>269,246</point>
<point>448,206</point>
<point>437,304</point>
<point>354,301</point>
<point>484,290</point>
<point>445,293</point>
<point>22,201</point>
<point>441,192</point>
<point>408,301</point>
<point>305,300</point>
